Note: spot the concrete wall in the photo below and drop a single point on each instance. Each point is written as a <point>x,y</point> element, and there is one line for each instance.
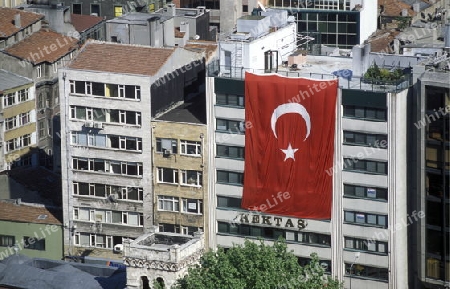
<point>143,157</point>
<point>51,233</point>
<point>368,19</point>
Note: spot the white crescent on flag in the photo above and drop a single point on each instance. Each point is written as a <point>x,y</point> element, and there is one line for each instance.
<point>282,109</point>
<point>290,108</point>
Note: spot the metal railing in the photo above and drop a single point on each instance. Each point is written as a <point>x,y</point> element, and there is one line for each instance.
<point>356,83</point>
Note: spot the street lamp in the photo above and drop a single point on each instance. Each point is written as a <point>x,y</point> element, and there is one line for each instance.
<point>357,254</point>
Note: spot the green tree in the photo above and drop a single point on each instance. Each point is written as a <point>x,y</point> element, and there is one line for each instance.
<point>256,266</point>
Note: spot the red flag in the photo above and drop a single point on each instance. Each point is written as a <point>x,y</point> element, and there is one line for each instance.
<point>289,145</point>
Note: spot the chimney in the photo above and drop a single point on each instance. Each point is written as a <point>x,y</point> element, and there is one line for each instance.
<point>405,12</point>
<point>17,20</point>
<point>416,7</point>
<point>171,9</point>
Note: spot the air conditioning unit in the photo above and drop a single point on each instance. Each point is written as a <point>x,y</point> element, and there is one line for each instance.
<point>98,125</point>
<point>89,124</point>
<point>113,197</point>
<point>166,153</point>
<point>118,248</point>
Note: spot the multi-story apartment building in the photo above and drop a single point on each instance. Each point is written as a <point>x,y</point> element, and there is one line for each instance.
<point>334,23</point>
<point>38,57</point>
<point>429,179</point>
<point>180,154</point>
<point>106,134</point>
<point>364,243</point>
<point>17,120</point>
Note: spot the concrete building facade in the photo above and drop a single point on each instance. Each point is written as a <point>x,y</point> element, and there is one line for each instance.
<point>364,243</point>
<point>106,132</point>
<point>18,121</point>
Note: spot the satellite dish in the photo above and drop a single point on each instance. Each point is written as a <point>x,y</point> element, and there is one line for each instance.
<point>197,37</point>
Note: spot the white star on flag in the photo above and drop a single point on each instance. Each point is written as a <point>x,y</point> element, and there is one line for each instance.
<point>289,152</point>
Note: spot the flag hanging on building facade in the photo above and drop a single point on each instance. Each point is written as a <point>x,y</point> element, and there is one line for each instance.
<point>289,145</point>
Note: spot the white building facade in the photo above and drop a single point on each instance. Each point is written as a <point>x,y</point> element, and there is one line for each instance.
<point>364,244</point>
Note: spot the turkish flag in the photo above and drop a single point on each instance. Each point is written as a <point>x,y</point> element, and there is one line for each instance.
<point>289,145</point>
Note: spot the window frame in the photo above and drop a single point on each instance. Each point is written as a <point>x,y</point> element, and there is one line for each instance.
<point>164,202</point>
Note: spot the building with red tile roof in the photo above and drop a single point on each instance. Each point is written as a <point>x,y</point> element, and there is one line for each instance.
<point>43,46</point>
<point>16,24</point>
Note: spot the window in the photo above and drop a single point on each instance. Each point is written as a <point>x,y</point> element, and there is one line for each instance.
<point>314,238</point>
<point>365,139</point>
<point>230,100</point>
<point>34,244</point>
<point>23,95</point>
<point>365,192</point>
<point>269,233</point>
<point>191,178</point>
<point>117,11</point>
<point>41,101</point>
<point>167,228</point>
<point>132,219</point>
<point>7,241</point>
<point>95,9</point>
<point>131,193</point>
<point>167,144</point>
<point>55,67</point>
<point>166,203</point>
<point>192,206</point>
<point>193,148</point>
<point>227,177</point>
<point>106,166</point>
<point>374,114</point>
<point>166,175</point>
<point>24,118</point>
<point>231,126</point>
<point>115,116</point>
<point>39,71</point>
<point>233,152</point>
<point>18,143</point>
<point>228,202</point>
<point>366,219</point>
<point>365,245</point>
<point>76,8</point>
<point>10,123</point>
<point>9,99</point>
<point>366,166</point>
<point>363,271</point>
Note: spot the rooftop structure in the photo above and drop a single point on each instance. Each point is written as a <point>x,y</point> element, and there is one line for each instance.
<point>163,257</point>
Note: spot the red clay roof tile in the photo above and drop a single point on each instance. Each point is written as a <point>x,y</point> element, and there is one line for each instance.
<point>121,58</point>
<point>43,46</point>
<point>7,26</point>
